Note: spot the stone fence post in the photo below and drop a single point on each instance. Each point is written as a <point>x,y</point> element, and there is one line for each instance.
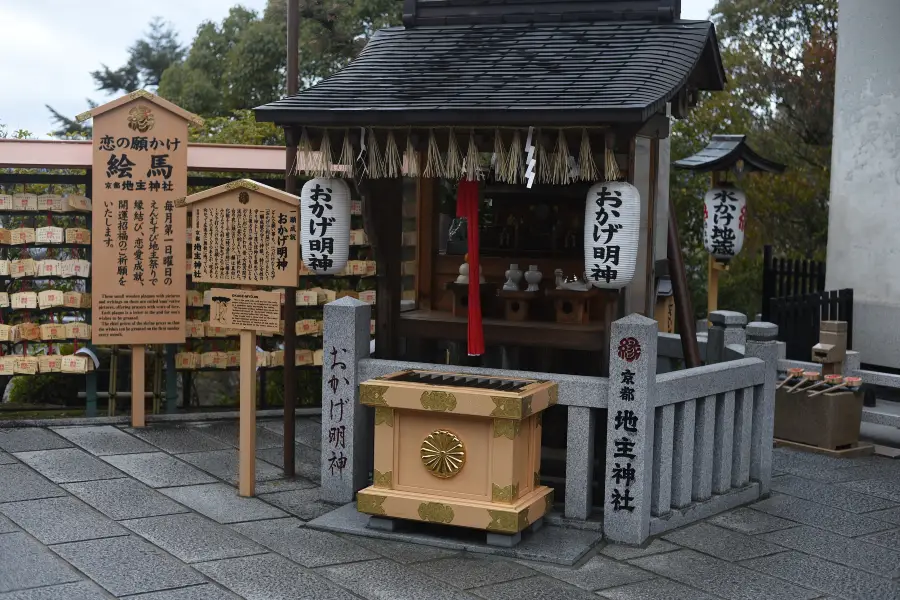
<point>762,344</point>
<point>727,328</point>
<point>345,435</point>
<point>630,429</point>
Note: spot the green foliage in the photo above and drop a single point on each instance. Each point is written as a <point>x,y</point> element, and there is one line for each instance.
<point>241,62</point>
<point>47,388</point>
<point>779,57</point>
<point>148,58</point>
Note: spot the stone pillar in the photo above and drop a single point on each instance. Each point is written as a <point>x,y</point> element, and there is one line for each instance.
<point>727,328</point>
<point>630,429</point>
<point>579,462</point>
<point>864,175</point>
<point>762,344</point>
<point>345,435</point>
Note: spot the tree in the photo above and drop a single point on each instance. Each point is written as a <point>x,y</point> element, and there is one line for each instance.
<point>779,57</point>
<point>148,58</point>
<point>241,63</point>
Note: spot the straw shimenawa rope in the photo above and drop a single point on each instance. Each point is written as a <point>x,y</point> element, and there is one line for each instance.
<point>515,159</point>
<point>561,166</point>
<point>453,167</point>
<point>393,162</point>
<point>473,158</point>
<point>325,158</point>
<point>304,153</point>
<point>586,164</point>
<point>347,159</point>
<point>434,164</point>
<point>410,158</point>
<point>499,161</point>
<point>376,158</point>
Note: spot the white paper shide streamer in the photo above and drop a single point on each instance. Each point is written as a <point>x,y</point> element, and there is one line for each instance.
<point>612,220</point>
<point>325,225</point>
<point>724,221</point>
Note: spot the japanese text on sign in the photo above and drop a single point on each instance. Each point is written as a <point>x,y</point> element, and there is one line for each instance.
<point>608,253</point>
<point>625,424</point>
<point>339,394</point>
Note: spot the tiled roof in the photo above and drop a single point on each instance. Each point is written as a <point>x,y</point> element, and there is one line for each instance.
<point>567,73</point>
<point>723,152</point>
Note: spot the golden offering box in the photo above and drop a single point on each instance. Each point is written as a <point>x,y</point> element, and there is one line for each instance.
<point>457,449</point>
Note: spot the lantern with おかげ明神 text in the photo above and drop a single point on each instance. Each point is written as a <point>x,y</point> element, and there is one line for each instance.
<point>612,219</point>
<point>325,225</point>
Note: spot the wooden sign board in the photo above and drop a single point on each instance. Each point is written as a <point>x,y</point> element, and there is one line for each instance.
<point>139,169</point>
<point>250,310</point>
<point>245,233</point>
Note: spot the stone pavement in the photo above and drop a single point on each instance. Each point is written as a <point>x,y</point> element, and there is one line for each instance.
<point>100,512</point>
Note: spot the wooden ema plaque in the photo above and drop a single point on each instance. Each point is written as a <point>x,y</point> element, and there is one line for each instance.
<point>458,449</point>
<point>139,168</point>
<point>244,233</point>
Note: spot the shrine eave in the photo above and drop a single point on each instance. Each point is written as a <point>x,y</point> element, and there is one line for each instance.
<point>724,152</point>
<point>514,75</point>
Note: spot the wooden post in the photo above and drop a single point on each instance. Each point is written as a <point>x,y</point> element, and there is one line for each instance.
<point>138,418</point>
<point>712,286</point>
<point>290,293</point>
<point>247,423</point>
<point>683,309</point>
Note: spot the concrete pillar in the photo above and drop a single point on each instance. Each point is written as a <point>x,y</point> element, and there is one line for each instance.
<point>762,344</point>
<point>865,175</point>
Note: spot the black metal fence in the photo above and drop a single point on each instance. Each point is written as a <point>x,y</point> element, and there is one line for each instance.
<point>799,317</point>
<point>783,277</point>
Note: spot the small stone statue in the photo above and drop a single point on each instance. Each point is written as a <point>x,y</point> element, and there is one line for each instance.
<point>533,277</point>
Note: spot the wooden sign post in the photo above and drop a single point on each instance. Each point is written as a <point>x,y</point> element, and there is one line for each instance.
<point>245,234</point>
<point>139,168</point>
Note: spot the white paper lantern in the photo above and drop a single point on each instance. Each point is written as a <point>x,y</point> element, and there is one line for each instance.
<point>612,223</point>
<point>724,221</point>
<point>325,225</point>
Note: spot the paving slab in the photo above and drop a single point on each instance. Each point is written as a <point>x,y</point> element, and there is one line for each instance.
<point>104,440</point>
<point>533,588</point>
<point>721,578</point>
<point>227,433</point>
<point>222,503</point>
<point>7,459</point>
<point>751,522</point>
<point>888,489</point>
<point>826,577</point>
<point>68,465</point>
<point>819,515</point>
<point>270,577</point>
<point>892,515</point>
<point>124,498</point>
<point>29,439</point>
<point>193,538</point>
<point>400,552</point>
<point>58,520</point>
<point>128,565</point>
<point>224,465</point>
<point>796,462</point>
<point>304,504</point>
<point>469,572</point>
<point>282,485</point>
<point>206,591</point>
<point>549,544</point>
<point>158,469</point>
<point>307,460</point>
<point>622,552</point>
<point>28,564</point>
<point>21,483</point>
<point>382,579</point>
<point>177,440</point>
<point>881,468</point>
<point>308,547</point>
<point>721,543</point>
<point>886,539</point>
<point>6,526</point>
<point>306,430</point>
<point>655,589</point>
<point>858,553</point>
<point>830,495</point>
<point>596,574</point>
<point>82,590</point>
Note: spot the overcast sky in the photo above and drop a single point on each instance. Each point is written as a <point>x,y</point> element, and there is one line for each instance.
<point>49,47</point>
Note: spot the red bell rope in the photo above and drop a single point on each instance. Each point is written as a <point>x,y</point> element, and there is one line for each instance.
<point>467,207</point>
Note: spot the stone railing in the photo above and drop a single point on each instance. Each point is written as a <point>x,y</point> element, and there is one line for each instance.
<point>680,446</point>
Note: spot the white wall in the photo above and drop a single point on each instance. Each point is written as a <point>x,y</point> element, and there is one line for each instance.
<point>864,217</point>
